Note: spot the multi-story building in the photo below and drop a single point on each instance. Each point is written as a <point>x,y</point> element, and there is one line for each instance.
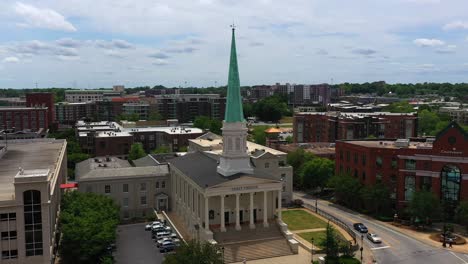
<point>458,114</point>
<point>331,126</point>
<point>69,113</point>
<point>137,190</point>
<point>30,176</point>
<point>111,138</point>
<point>42,100</point>
<point>186,107</point>
<point>75,96</point>
<point>24,118</point>
<point>140,109</point>
<point>405,166</point>
<point>153,92</point>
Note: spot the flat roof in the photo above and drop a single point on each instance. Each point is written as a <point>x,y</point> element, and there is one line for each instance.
<point>116,128</point>
<point>124,173</point>
<point>14,108</point>
<point>389,144</point>
<point>29,155</point>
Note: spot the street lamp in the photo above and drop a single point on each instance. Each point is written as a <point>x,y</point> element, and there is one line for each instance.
<point>316,209</point>
<point>222,250</point>
<point>362,246</point>
<point>312,251</point>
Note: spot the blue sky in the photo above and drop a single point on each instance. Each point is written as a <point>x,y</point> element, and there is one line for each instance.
<point>99,43</point>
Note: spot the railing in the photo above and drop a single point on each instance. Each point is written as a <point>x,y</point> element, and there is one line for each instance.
<point>333,219</point>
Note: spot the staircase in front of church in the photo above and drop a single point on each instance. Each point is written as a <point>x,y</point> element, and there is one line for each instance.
<point>251,244</point>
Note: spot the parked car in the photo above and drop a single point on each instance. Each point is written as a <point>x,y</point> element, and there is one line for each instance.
<point>162,234</point>
<point>167,247</point>
<point>360,227</point>
<point>374,238</point>
<point>160,241</point>
<point>159,228</point>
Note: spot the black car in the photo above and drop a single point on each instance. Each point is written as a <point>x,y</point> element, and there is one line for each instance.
<point>360,227</point>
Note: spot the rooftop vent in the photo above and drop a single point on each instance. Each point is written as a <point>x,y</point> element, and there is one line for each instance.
<point>402,143</point>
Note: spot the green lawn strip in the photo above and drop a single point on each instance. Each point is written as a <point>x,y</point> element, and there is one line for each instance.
<point>300,220</point>
<point>317,236</point>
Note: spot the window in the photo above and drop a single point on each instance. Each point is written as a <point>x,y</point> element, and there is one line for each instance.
<point>393,186</point>
<point>341,154</point>
<point>143,200</point>
<point>409,187</point>
<point>284,188</point>
<point>283,176</point>
<point>394,163</point>
<point>143,187</point>
<point>33,222</point>
<point>364,160</point>
<point>125,202</point>
<point>341,168</point>
<point>355,173</point>
<point>267,165</point>
<point>157,185</point>
<point>126,215</point>
<point>107,189</point>
<point>378,177</point>
<point>8,235</point>
<point>450,178</point>
<point>8,217</point>
<point>211,214</point>
<point>363,175</point>
<point>347,156</point>
<point>426,183</point>
<point>125,187</point>
<point>410,164</point>
<point>356,158</point>
<point>163,184</point>
<point>9,254</point>
<point>378,162</point>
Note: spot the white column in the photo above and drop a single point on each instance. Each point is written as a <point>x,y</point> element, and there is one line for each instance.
<point>221,214</point>
<point>207,216</point>
<point>265,214</point>
<point>279,204</point>
<point>238,227</point>
<point>252,224</point>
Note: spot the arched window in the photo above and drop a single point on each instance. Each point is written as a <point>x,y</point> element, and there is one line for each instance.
<point>211,214</point>
<point>450,178</point>
<point>33,222</point>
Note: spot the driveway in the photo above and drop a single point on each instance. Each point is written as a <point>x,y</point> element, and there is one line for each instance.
<point>135,246</point>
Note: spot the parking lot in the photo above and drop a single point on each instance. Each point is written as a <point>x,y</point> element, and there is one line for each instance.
<point>135,246</point>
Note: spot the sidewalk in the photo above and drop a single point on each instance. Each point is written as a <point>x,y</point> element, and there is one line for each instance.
<point>303,257</point>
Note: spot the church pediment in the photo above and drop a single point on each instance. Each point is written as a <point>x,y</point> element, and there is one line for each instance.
<point>244,181</point>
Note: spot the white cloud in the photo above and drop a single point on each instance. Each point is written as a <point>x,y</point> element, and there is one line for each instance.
<point>423,42</point>
<point>160,62</point>
<point>456,25</point>
<point>35,17</point>
<point>11,59</point>
<point>447,49</point>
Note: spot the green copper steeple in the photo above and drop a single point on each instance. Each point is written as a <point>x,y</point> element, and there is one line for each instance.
<point>234,112</point>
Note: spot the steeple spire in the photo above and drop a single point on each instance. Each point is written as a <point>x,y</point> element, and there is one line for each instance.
<point>234,112</point>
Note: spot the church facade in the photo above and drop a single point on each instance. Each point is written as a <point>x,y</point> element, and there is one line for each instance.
<point>226,183</point>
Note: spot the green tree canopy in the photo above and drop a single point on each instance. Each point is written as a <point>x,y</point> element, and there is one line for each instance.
<point>424,205</point>
<point>271,108</point>
<point>427,122</point>
<point>161,149</point>
<point>136,151</point>
<point>196,252</point>
<point>297,159</point>
<point>400,107</point>
<point>88,224</point>
<point>330,244</point>
<point>376,198</point>
<point>461,214</point>
<point>317,172</point>
<point>347,190</point>
<point>204,122</point>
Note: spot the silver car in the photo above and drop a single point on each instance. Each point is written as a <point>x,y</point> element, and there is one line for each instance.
<point>374,238</point>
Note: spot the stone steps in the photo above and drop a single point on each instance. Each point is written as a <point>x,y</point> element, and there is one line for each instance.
<point>256,249</point>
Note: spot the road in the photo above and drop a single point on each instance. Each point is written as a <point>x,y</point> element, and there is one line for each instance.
<point>396,247</point>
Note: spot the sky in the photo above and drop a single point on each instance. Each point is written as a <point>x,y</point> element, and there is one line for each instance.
<point>100,43</point>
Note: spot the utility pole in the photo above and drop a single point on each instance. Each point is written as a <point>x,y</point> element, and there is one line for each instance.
<point>362,246</point>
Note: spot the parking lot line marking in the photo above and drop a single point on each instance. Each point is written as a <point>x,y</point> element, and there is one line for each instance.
<point>380,248</point>
<point>464,262</point>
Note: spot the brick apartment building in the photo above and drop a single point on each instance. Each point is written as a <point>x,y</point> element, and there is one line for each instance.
<point>331,126</point>
<point>186,107</point>
<point>113,139</point>
<point>24,118</point>
<point>42,100</point>
<point>438,164</point>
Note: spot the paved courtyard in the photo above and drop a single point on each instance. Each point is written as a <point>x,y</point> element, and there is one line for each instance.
<point>135,246</point>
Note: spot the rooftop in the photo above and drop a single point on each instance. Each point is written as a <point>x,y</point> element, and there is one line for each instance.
<point>114,168</point>
<point>391,144</point>
<point>348,114</point>
<point>115,129</point>
<point>32,156</point>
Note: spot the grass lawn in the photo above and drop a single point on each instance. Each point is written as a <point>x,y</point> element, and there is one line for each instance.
<point>317,236</point>
<point>300,220</point>
<point>286,119</point>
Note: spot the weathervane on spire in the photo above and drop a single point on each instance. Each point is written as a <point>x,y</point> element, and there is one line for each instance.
<point>233,26</point>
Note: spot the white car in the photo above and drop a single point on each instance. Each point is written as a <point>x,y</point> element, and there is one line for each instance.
<point>150,225</point>
<point>159,228</point>
<point>162,240</point>
<point>374,238</point>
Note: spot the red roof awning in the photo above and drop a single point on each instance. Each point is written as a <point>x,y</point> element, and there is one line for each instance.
<point>68,185</point>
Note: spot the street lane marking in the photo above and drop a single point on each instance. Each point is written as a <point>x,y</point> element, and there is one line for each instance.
<point>380,248</point>
<point>464,262</point>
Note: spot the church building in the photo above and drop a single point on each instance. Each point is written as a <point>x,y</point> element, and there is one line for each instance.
<point>226,184</point>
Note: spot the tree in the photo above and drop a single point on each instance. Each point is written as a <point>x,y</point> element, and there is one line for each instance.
<point>271,108</point>
<point>196,252</point>
<point>400,107</point>
<point>424,206</point>
<point>316,173</point>
<point>461,214</point>
<point>204,122</point>
<point>289,139</point>
<point>215,126</point>
<point>259,135</point>
<point>136,151</point>
<point>154,116</point>
<point>161,149</point>
<point>128,117</point>
<point>88,224</point>
<point>297,159</point>
<point>330,244</point>
<point>427,122</point>
<point>376,198</point>
<point>347,190</point>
